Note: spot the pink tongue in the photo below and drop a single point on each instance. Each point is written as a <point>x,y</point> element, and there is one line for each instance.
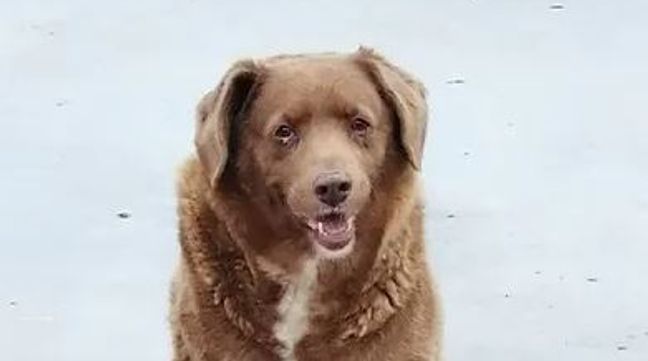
<point>334,227</point>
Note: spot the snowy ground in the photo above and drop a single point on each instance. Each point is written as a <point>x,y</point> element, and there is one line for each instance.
<point>536,169</point>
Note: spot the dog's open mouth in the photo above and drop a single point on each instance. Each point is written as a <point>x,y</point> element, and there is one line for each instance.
<point>333,230</point>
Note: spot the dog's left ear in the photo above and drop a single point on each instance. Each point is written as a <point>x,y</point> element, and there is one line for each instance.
<point>218,115</point>
<point>405,95</point>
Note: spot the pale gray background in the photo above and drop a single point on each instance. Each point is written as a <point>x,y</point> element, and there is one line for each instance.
<point>536,169</point>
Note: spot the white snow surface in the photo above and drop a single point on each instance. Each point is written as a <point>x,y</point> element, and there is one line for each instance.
<point>536,167</point>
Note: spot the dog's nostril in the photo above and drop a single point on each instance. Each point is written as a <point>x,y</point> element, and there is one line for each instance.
<point>321,189</point>
<point>344,186</point>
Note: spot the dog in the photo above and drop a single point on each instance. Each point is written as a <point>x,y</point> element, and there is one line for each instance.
<point>300,218</point>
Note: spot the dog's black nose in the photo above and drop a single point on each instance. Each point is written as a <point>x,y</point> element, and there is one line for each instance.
<point>332,188</point>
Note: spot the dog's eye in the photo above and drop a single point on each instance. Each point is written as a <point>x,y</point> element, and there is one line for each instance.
<point>285,134</point>
<point>359,126</point>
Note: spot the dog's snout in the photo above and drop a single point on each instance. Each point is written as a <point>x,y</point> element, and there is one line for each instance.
<point>332,188</point>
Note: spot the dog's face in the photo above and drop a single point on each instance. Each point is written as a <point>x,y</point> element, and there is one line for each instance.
<point>319,132</point>
<point>306,138</point>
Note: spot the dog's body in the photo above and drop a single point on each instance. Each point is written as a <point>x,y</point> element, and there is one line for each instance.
<point>301,222</point>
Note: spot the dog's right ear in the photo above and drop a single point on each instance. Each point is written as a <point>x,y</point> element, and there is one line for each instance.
<point>217,115</point>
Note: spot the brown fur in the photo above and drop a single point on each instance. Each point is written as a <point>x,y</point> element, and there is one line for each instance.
<point>241,245</point>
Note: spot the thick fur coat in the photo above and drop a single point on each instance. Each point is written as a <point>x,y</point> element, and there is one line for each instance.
<point>251,284</point>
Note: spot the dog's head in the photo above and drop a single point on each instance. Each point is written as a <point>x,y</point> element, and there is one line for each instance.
<point>305,139</point>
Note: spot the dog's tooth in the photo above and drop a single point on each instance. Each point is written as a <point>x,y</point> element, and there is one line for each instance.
<point>312,225</point>
<point>320,227</point>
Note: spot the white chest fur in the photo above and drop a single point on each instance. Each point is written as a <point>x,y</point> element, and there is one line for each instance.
<point>293,309</point>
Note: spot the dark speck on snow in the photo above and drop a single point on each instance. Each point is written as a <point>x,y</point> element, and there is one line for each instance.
<point>457,81</point>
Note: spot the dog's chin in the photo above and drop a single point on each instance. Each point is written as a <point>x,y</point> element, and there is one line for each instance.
<point>332,234</point>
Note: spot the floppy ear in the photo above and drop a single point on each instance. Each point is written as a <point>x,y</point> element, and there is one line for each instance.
<point>218,114</point>
<point>406,96</point>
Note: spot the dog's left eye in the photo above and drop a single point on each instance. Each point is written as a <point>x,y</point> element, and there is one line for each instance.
<point>285,134</point>
<point>359,126</point>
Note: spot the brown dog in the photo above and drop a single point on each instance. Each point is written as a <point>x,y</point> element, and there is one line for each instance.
<point>300,219</point>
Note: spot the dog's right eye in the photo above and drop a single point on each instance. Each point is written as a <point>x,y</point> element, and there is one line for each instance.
<point>285,134</point>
